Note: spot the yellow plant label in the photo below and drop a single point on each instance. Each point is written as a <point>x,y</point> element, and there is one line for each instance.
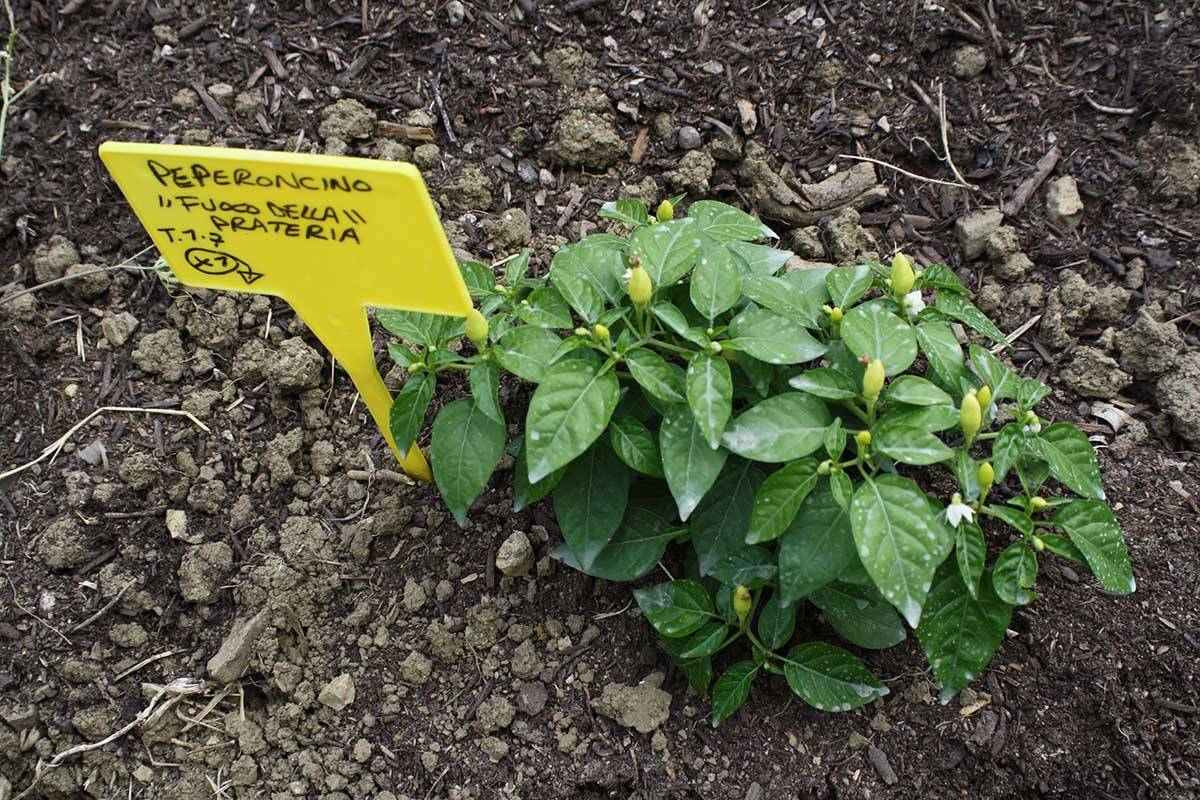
<point>330,235</point>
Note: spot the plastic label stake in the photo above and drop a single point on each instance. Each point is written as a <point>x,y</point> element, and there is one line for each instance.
<point>328,234</point>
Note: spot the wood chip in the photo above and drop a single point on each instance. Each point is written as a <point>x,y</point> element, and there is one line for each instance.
<point>1029,186</point>
<point>408,133</point>
<point>748,115</point>
<point>879,761</point>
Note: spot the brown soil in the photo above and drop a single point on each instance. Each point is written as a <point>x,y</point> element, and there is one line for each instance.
<point>1092,695</point>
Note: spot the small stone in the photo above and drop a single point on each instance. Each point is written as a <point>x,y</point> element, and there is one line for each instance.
<point>495,749</point>
<point>51,258</point>
<point>223,93</point>
<point>143,774</point>
<point>583,138</point>
<point>525,661</point>
<point>338,693</point>
<point>858,741</point>
<point>1013,267</point>
<point>1091,373</point>
<point>361,751</point>
<point>846,237</point>
<point>1064,207</point>
<point>1179,396</point>
<point>515,557</point>
<point>427,157</point>
<point>347,120</point>
<point>117,328</point>
<point>165,34</point>
<point>202,570</point>
<point>689,138</point>
<point>968,62</point>
<point>161,353</point>
<point>494,714</point>
<point>185,100</point>
<point>509,232</point>
<point>247,104</point>
<point>86,283</point>
<point>1149,347</point>
<point>693,173</point>
<point>974,229</point>
<point>643,707</point>
<point>387,150</point>
<point>531,697</point>
<point>414,596</point>
<point>416,669</point>
<point>471,190</point>
<point>178,527</point>
<point>24,307</point>
<point>234,654</point>
<point>64,544</point>
<point>294,367</point>
<point>806,243</point>
<point>128,634</point>
<point>456,13</point>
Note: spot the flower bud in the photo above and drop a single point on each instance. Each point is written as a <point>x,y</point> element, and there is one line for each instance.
<point>1037,503</point>
<point>666,211</point>
<point>581,331</point>
<point>863,438</point>
<point>903,276</point>
<point>714,348</point>
<point>873,379</point>
<point>640,287</point>
<point>835,316</point>
<point>477,328</point>
<point>986,475</point>
<point>985,397</point>
<point>824,467</point>
<point>970,416</point>
<point>602,332</point>
<point>1038,544</point>
<point>742,601</point>
<point>500,288</point>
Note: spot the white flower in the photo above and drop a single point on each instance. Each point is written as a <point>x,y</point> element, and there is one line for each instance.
<point>1032,430</point>
<point>957,511</point>
<point>913,303</point>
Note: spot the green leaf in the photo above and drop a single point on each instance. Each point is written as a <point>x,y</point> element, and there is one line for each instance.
<point>484,380</point>
<point>847,285</point>
<point>721,520</point>
<point>776,622</point>
<point>1014,572</point>
<point>407,416</point>
<point>872,330</point>
<point>941,277</point>
<point>925,418</point>
<point>597,262</point>
<point>830,679</point>
<point>1007,449</point>
<point>574,285</point>
<point>727,224</point>
<point>1071,458</point>
<point>699,671</point>
<point>966,472</point>
<point>842,488</point>
<point>545,308</point>
<point>970,550</point>
<point>514,269</point>
<point>635,444</point>
<point>1030,392</point>
<point>779,498</point>
<point>527,351</point>
<point>656,376</point>
<point>732,689</point>
<point>525,493</point>
<point>671,316</point>
<point>860,615</point>
<point>676,608</point>
<point>466,447</point>
<point>401,354</point>
<point>1000,379</point>
<point>898,540</point>
<point>816,547</point>
<point>831,384</point>
<point>959,633</point>
<point>690,465</point>
<point>668,250</point>
<point>478,277</point>
<point>705,641</point>
<point>835,440</point>
<point>710,395</point>
<point>781,428</point>
<point>715,284</point>
<point>590,502</point>
<point>569,409</point>
<point>634,549</point>
<point>916,392</point>
<point>942,351</point>
<point>628,210</point>
<point>1062,546</point>
<point>1096,532</point>
<point>911,445</point>
<point>427,329</point>
<point>750,566</point>
<point>758,258</point>
<point>759,373</point>
<point>1017,519</point>
<point>782,297</point>
<point>958,307</point>
<point>772,338</point>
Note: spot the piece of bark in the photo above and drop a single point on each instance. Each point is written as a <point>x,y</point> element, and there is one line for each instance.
<point>841,187</point>
<point>1041,171</point>
<point>409,133</point>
